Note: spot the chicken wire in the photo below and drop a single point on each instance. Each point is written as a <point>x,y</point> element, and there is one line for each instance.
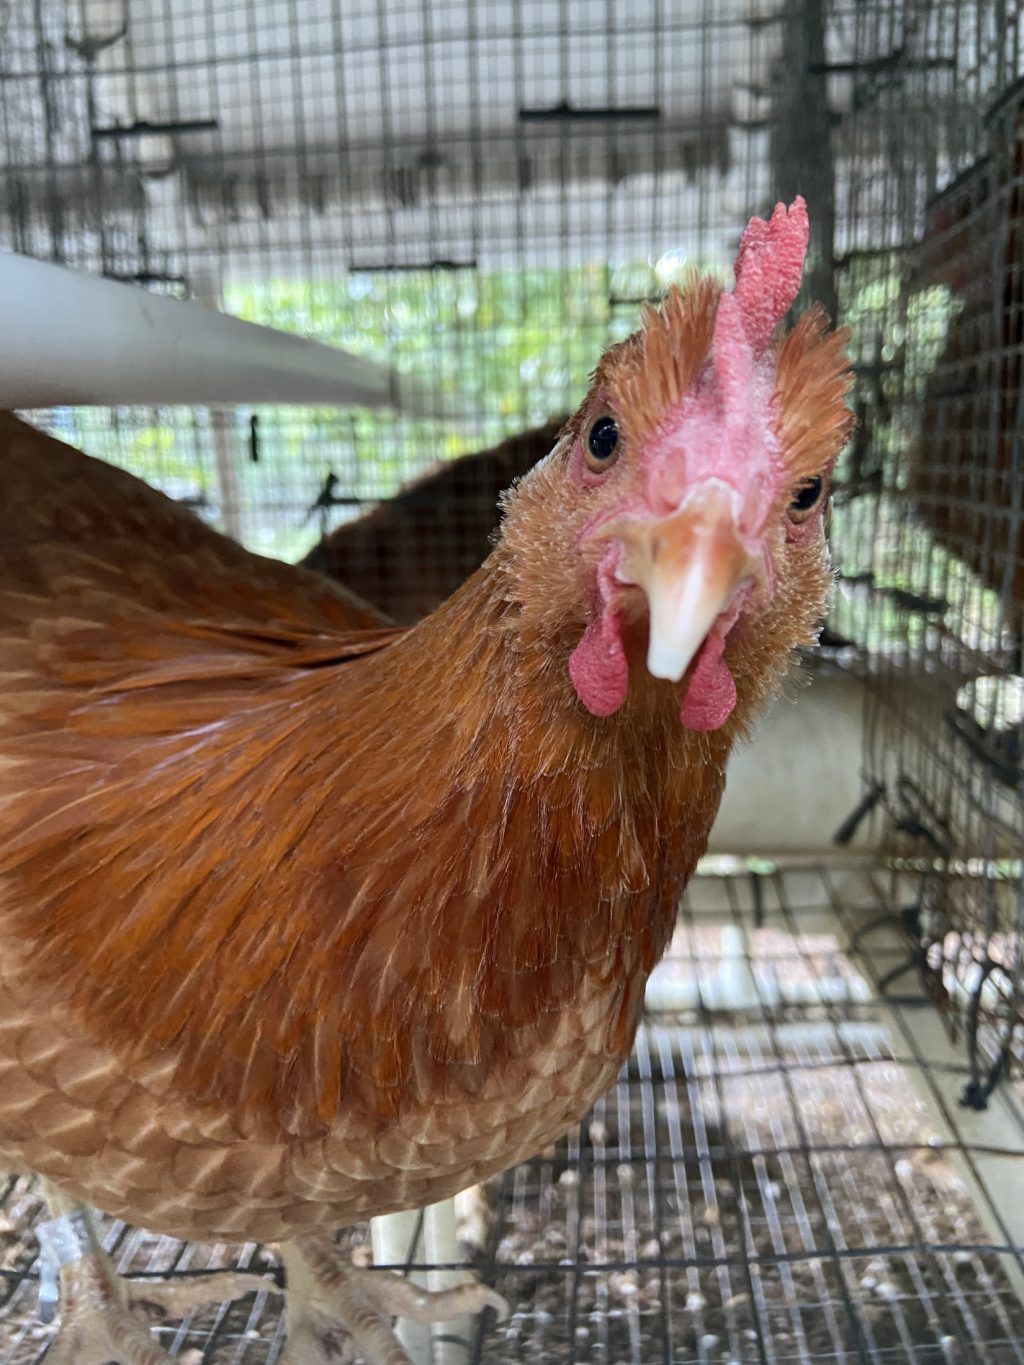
<point>929,161</point>
<point>482,193</point>
<point>788,1181</point>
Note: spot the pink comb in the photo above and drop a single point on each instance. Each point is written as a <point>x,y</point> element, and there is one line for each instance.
<point>769,267</point>
<point>768,270</point>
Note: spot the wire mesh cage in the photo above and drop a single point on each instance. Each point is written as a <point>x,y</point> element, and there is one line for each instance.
<point>482,192</point>
<point>928,531</point>
<point>485,194</point>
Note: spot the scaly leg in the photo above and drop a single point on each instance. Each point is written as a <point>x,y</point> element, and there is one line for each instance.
<point>98,1318</point>
<point>323,1293</point>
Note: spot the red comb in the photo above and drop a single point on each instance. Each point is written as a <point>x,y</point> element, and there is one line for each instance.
<point>769,266</point>
<point>733,360</point>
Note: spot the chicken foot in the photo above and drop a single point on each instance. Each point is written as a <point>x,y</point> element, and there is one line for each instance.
<point>325,1293</point>
<point>99,1321</point>
<point>327,1300</point>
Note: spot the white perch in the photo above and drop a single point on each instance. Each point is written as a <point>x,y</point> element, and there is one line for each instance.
<point>394,1240</point>
<point>451,1340</point>
<point>73,339</point>
<point>442,1343</point>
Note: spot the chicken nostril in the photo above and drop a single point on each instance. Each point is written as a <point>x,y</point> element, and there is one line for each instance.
<point>667,483</point>
<point>755,503</point>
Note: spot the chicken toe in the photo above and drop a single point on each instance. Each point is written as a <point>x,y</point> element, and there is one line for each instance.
<point>325,1294</point>
<point>99,1321</point>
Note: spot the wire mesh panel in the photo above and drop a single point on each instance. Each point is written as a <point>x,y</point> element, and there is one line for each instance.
<point>483,193</point>
<point>928,529</point>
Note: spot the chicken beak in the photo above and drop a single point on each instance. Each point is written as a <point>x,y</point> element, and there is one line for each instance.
<point>691,565</point>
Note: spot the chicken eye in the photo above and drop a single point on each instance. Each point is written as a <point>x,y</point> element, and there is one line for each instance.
<point>806,499</point>
<point>602,443</point>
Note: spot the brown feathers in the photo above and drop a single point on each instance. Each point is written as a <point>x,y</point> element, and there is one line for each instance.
<point>650,372</point>
<point>296,878</point>
<point>814,378</point>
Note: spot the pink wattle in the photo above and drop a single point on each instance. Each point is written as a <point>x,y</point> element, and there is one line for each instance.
<point>711,695</point>
<point>598,667</point>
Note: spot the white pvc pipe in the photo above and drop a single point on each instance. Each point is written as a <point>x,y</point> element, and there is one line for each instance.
<point>443,1343</point>
<point>394,1241</point>
<point>440,1227</point>
<point>68,338</point>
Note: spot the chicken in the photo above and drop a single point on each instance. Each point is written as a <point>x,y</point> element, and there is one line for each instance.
<point>413,551</point>
<point>308,919</point>
<point>963,477</point>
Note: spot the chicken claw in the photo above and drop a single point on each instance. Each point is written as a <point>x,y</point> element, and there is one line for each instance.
<point>99,1322</point>
<point>325,1292</point>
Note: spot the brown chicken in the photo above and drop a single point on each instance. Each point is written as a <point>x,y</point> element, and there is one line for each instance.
<point>412,551</point>
<point>306,920</point>
<point>965,475</point>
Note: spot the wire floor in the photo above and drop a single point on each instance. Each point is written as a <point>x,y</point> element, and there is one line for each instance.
<point>781,1174</point>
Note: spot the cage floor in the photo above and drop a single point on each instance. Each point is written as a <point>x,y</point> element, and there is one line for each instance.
<point>781,1174</point>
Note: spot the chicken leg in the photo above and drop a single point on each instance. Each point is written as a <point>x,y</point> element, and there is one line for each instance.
<point>327,1300</point>
<point>99,1321</point>
<point>325,1294</point>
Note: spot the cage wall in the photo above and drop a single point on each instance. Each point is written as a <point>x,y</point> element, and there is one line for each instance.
<point>927,528</point>
<point>485,194</point>
<point>481,193</point>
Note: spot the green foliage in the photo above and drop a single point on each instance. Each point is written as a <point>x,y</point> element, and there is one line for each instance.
<point>511,347</point>
<point>898,335</point>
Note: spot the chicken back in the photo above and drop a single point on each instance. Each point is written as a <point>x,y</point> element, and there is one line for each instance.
<point>412,551</point>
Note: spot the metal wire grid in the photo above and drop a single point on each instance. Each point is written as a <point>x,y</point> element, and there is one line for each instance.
<point>794,1219</point>
<point>790,1183</point>
<point>481,192</point>
<point>929,171</point>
